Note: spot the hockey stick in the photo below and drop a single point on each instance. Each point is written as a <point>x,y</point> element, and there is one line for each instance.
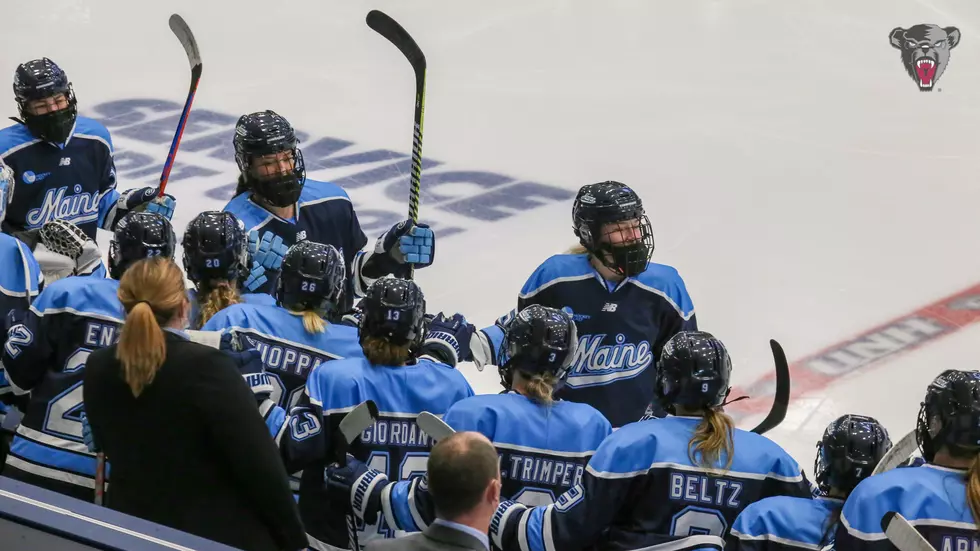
<point>390,29</point>
<point>902,534</point>
<point>186,37</point>
<point>434,426</point>
<point>351,426</point>
<point>898,453</point>
<point>781,401</point>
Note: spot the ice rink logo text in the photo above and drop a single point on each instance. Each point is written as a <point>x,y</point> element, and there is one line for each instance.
<point>925,51</point>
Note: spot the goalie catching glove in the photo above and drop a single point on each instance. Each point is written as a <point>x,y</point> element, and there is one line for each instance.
<point>64,250</point>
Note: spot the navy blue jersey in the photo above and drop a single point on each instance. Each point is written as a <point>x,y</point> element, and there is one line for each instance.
<point>641,489</point>
<point>20,279</point>
<point>784,523</point>
<point>543,451</point>
<point>324,214</point>
<point>46,355</point>
<point>289,352</point>
<point>74,182</point>
<point>930,497</point>
<point>394,444</point>
<point>249,298</point>
<point>622,329</point>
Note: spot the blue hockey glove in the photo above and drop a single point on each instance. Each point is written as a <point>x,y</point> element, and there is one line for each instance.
<point>163,205</point>
<point>256,278</point>
<point>87,435</point>
<point>267,250</point>
<point>405,243</point>
<point>358,485</point>
<point>248,360</point>
<point>449,339</point>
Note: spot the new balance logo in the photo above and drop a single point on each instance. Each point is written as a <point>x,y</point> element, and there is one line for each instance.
<point>301,236</point>
<point>609,307</point>
<point>65,161</point>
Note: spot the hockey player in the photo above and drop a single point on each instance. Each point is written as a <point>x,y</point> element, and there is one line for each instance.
<point>625,306</point>
<point>296,335</point>
<point>45,355</point>
<point>942,497</point>
<point>63,161</point>
<point>217,261</point>
<point>847,454</point>
<point>276,200</point>
<point>395,372</point>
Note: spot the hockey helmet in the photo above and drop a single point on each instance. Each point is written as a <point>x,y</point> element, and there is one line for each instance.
<point>694,371</point>
<point>137,236</point>
<point>312,278</point>
<point>268,135</point>
<point>394,309</point>
<point>851,447</point>
<point>215,248</point>
<point>950,415</point>
<point>538,340</point>
<point>611,224</point>
<point>41,79</point>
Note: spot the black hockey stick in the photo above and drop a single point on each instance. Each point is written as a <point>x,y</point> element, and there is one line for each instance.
<point>781,401</point>
<point>899,452</point>
<point>903,535</point>
<point>390,29</point>
<point>351,426</point>
<point>186,37</point>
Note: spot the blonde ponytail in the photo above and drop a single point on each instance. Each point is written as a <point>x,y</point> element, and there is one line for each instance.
<point>152,293</point>
<point>712,439</point>
<point>221,295</point>
<point>973,489</point>
<point>313,322</point>
<point>539,387</point>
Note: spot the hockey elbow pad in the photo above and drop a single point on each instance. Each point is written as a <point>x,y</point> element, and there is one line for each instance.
<point>505,522</point>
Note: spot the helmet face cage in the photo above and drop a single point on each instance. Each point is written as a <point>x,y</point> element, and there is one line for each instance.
<point>137,236</point>
<point>611,224</point>
<point>267,133</point>
<point>694,371</point>
<point>215,248</point>
<point>851,447</point>
<point>394,309</point>
<point>313,277</point>
<point>950,415</point>
<point>41,79</point>
<point>538,340</point>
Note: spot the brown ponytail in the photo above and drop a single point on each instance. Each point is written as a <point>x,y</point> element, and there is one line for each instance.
<point>221,295</point>
<point>712,439</point>
<point>973,488</point>
<point>379,351</point>
<point>538,387</point>
<point>152,293</point>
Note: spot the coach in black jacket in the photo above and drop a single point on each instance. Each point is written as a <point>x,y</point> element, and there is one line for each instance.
<point>179,425</point>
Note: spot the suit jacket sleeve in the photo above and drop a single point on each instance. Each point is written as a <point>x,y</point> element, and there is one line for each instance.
<point>239,433</point>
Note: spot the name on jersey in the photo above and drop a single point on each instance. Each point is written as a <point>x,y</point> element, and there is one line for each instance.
<point>695,488</point>
<point>56,204</point>
<point>286,358</point>
<point>396,432</point>
<point>101,335</point>
<point>960,543</point>
<point>539,470</point>
<point>595,363</point>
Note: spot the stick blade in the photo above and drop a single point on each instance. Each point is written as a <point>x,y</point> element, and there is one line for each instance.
<point>397,35</point>
<point>434,426</point>
<point>359,418</point>
<point>781,399</point>
<point>186,38</point>
<point>899,452</point>
<point>903,535</point>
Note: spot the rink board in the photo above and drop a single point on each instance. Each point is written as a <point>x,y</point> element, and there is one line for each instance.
<point>32,518</point>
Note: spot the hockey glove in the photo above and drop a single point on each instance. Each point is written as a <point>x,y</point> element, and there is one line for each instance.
<point>403,244</point>
<point>163,206</point>
<point>136,199</point>
<point>448,339</point>
<point>267,250</point>
<point>358,485</point>
<point>256,278</point>
<point>248,360</point>
<point>87,435</point>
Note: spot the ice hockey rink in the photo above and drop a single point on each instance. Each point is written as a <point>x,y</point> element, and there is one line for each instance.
<point>803,186</point>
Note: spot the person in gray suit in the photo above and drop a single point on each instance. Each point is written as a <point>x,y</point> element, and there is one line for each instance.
<point>464,482</point>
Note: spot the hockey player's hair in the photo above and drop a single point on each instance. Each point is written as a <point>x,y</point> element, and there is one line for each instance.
<point>242,186</point>
<point>313,321</point>
<point>380,351</point>
<point>712,440</point>
<point>578,248</point>
<point>539,387</point>
<point>152,292</point>
<point>217,296</point>
<point>973,488</point>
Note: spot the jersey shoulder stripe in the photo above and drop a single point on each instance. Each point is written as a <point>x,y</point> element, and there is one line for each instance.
<point>317,192</point>
<point>252,215</point>
<point>13,254</point>
<point>664,281</point>
<point>14,138</point>
<point>83,296</point>
<point>558,268</point>
<point>91,129</point>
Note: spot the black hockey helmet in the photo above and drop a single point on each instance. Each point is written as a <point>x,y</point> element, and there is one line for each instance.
<point>215,248</point>
<point>611,224</point>
<point>950,415</point>
<point>394,309</point>
<point>41,79</point>
<point>538,340</point>
<point>694,371</point>
<point>312,277</point>
<point>851,447</point>
<point>268,133</point>
<point>137,236</point>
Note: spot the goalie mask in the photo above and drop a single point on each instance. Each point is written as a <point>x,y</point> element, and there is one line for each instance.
<point>140,235</point>
<point>6,189</point>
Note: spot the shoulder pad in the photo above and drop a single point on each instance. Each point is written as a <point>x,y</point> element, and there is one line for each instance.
<point>248,212</point>
<point>15,137</point>
<point>556,269</point>
<point>664,281</point>
<point>91,129</point>
<point>82,296</point>
<point>317,192</point>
